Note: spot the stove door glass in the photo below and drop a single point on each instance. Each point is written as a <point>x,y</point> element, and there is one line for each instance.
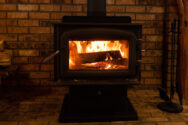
<point>98,54</point>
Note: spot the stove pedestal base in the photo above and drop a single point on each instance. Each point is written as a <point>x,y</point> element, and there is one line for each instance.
<point>97,103</point>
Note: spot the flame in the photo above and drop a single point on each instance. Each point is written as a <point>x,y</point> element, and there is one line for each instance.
<point>96,46</point>
<point>71,62</point>
<point>99,46</point>
<point>108,66</point>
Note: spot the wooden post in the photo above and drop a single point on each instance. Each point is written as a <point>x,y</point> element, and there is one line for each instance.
<point>186,47</point>
<point>183,60</point>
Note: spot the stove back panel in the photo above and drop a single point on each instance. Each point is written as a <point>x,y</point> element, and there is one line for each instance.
<point>96,7</point>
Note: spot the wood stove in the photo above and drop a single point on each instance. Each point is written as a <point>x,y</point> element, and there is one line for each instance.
<point>98,57</point>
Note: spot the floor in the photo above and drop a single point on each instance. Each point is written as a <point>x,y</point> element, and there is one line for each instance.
<point>41,106</point>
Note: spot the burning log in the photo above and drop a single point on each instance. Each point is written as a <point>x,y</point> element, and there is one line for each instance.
<point>100,56</point>
<point>105,65</point>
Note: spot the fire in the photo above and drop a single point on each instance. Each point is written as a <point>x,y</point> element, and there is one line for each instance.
<point>77,48</point>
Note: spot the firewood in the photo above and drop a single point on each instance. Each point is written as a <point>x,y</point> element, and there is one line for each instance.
<point>1,45</point>
<point>99,56</point>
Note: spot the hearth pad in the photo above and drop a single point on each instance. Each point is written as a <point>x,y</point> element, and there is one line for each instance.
<point>97,107</point>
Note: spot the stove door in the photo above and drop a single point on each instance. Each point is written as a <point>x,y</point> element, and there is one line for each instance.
<point>98,53</point>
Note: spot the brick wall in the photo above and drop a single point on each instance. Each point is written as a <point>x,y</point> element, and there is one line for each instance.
<point>26,26</point>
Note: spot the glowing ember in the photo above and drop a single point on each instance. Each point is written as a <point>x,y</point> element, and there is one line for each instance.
<point>98,55</point>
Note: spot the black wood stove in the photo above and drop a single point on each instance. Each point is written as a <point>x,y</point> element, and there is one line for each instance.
<point>99,58</point>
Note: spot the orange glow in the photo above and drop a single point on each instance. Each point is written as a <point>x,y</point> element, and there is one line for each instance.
<point>80,50</point>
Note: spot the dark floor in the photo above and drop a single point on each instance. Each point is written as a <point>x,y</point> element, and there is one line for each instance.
<point>41,106</point>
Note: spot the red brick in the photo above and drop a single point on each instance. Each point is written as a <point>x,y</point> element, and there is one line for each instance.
<point>49,7</point>
<point>160,16</point>
<point>153,81</point>
<point>26,7</point>
<point>154,38</point>
<point>17,15</point>
<point>146,2</point>
<point>20,60</point>
<point>56,1</point>
<point>17,1</point>
<point>172,9</point>
<point>126,14</point>
<point>59,15</point>
<point>29,38</point>
<point>152,9</point>
<point>17,30</point>
<point>7,7</point>
<point>39,30</point>
<point>47,67</point>
<point>137,9</point>
<point>28,52</point>
<point>11,45</point>
<point>153,24</point>
<point>148,30</point>
<point>172,2</point>
<point>152,67</point>
<point>8,22</point>
<point>172,16</point>
<point>71,8</point>
<point>84,9</point>
<point>2,14</point>
<point>159,45</point>
<point>35,59</point>
<point>39,1</point>
<point>63,1</point>
<point>79,14</point>
<point>46,23</point>
<point>3,29</point>
<point>115,8</point>
<point>153,53</point>
<point>79,1</point>
<point>8,37</point>
<point>127,2</point>
<point>145,16</point>
<point>146,74</point>
<point>110,14</point>
<point>46,52</point>
<point>161,2</point>
<point>33,45</point>
<point>40,75</point>
<point>29,67</point>
<point>110,2</point>
<point>148,59</point>
<point>148,45</point>
<point>48,82</point>
<point>158,60</point>
<point>28,22</point>
<point>48,38</point>
<point>37,15</point>
<point>2,1</point>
